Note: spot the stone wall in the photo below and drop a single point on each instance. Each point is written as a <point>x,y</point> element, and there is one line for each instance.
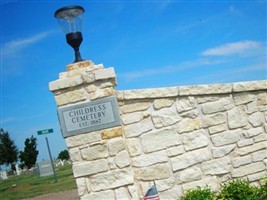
<point>178,137</point>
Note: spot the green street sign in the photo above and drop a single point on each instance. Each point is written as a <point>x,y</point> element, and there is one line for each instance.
<point>46,131</point>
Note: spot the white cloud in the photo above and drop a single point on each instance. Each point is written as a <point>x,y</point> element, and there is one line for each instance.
<point>252,68</point>
<point>14,46</point>
<point>129,76</point>
<point>233,48</point>
<point>234,11</point>
<point>7,120</point>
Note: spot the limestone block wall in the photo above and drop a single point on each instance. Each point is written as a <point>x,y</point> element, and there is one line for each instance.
<point>177,137</point>
<point>189,136</point>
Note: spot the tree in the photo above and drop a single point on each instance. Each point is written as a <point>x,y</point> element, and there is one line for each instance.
<point>63,155</point>
<point>28,157</point>
<point>8,149</point>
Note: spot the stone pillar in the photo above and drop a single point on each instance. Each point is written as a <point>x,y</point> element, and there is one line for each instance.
<point>85,95</point>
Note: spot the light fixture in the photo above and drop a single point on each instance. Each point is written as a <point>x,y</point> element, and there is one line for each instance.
<point>70,19</point>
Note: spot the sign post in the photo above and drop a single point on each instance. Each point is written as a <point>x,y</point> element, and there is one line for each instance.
<point>46,131</point>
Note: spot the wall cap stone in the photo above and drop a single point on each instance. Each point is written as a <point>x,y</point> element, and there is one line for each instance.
<point>210,89</point>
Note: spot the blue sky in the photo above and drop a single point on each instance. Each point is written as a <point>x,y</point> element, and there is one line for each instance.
<point>149,43</point>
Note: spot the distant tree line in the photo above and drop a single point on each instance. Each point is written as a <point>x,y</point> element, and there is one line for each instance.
<point>9,153</point>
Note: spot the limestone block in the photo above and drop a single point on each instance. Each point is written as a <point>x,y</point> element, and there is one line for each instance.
<point>174,151</point>
<point>81,185</point>
<point>112,179</point>
<point>262,108</point>
<point>187,104</point>
<point>262,99</point>
<point>75,154</point>
<point>134,107</point>
<point>105,74</point>
<point>227,137</point>
<point>91,88</point>
<point>217,129</point>
<point>256,119</point>
<point>77,66</point>
<point>248,169</point>
<point>136,129</point>
<point>111,163</point>
<point>162,103</point>
<point>145,160</point>
<point>253,132</point>
<point>119,95</point>
<point>115,145</point>
<point>154,172</point>
<point>132,117</point>
<point>122,194</point>
<point>250,86</point>
<point>158,140</point>
<point>151,93</point>
<point>209,181</point>
<point>95,152</point>
<point>257,176</point>
<point>89,77</point>
<point>134,147</point>
<point>243,98</point>
<point>243,160</point>
<point>217,166</point>
<point>259,155</point>
<point>252,107</point>
<point>82,139</point>
<point>204,99</point>
<point>71,97</point>
<point>99,195</point>
<point>245,142</point>
<point>107,83</point>
<point>205,89</point>
<point>174,193</point>
<point>111,133</point>
<point>219,152</point>
<point>236,118</point>
<point>79,72</point>
<point>217,106</point>
<point>101,93</point>
<point>122,159</point>
<point>89,168</point>
<point>133,192</point>
<point>188,125</point>
<point>249,149</point>
<point>195,140</point>
<point>212,120</point>
<point>63,75</point>
<point>98,66</point>
<point>190,158</point>
<point>165,117</point>
<point>165,184</point>
<point>261,137</point>
<point>190,174</point>
<point>190,114</point>
<point>65,83</point>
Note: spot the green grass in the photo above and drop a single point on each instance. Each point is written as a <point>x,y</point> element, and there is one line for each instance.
<point>30,185</point>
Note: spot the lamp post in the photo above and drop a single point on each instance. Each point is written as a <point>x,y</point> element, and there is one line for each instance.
<point>70,19</point>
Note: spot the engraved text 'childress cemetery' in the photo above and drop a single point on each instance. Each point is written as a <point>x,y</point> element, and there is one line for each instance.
<point>90,116</point>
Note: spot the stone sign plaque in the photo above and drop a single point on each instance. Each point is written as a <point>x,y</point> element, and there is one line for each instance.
<point>90,116</point>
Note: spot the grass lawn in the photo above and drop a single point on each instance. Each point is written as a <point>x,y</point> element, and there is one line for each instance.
<point>30,185</point>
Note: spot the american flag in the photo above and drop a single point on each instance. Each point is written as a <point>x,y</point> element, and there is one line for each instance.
<point>152,194</point>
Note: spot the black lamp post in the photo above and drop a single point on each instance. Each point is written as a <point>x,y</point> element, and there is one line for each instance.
<point>70,20</point>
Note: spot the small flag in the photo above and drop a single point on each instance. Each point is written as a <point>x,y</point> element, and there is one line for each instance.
<point>152,194</point>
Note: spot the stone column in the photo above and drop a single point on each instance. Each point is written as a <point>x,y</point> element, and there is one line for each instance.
<point>85,95</point>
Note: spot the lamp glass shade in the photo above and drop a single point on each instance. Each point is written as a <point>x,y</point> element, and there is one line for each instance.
<point>70,18</point>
